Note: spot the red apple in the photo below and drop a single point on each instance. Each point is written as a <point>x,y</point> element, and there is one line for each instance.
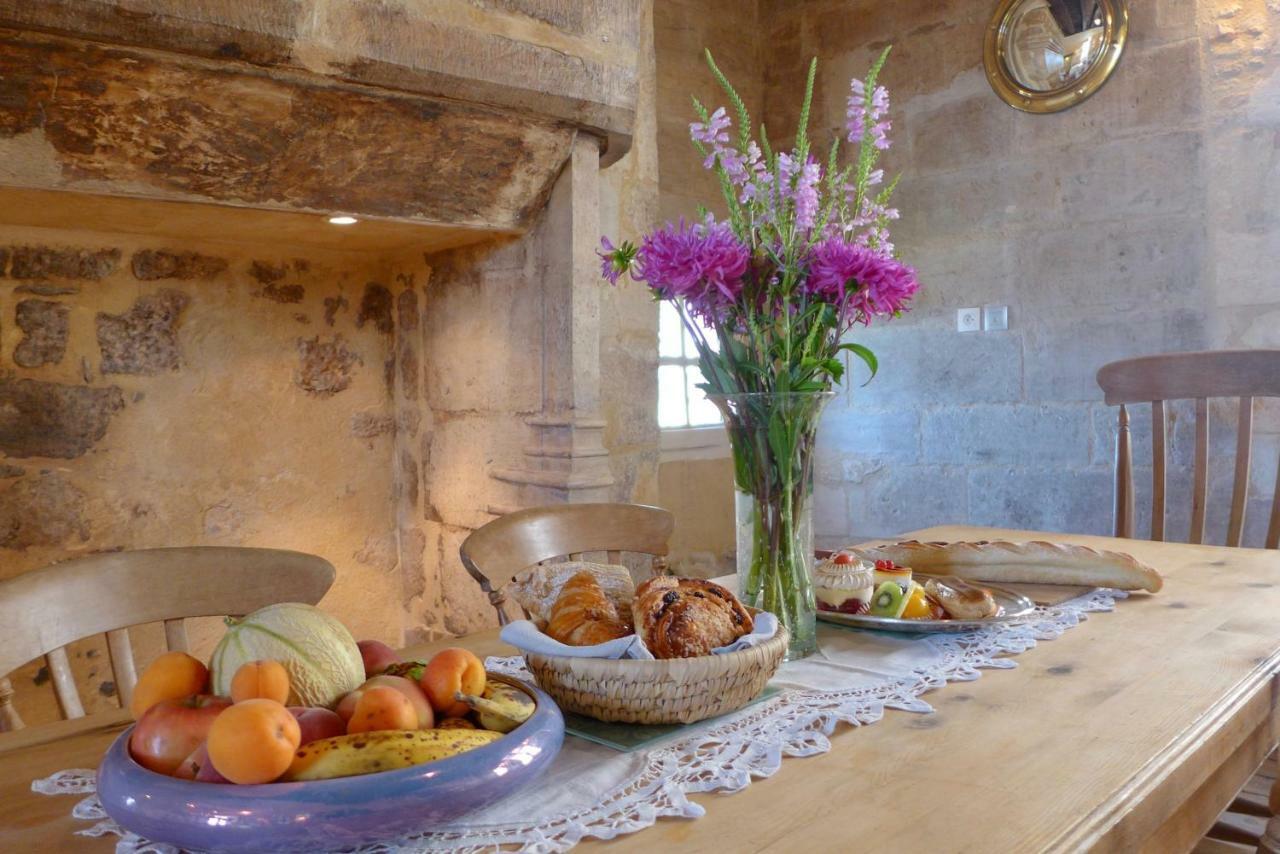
<point>172,730</point>
<point>415,695</point>
<point>198,767</point>
<point>347,705</point>
<point>318,723</point>
<point>377,656</point>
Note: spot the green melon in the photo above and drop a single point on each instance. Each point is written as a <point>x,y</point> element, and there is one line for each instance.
<point>321,656</point>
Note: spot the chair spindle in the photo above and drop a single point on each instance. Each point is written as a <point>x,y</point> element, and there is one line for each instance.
<point>1200,496</point>
<point>175,635</point>
<point>64,683</point>
<point>122,668</point>
<point>1159,478</point>
<point>10,720</point>
<point>1240,486</point>
<point>1124,477</point>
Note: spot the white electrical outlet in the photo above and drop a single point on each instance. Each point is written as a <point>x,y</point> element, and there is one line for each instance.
<point>995,318</point>
<point>968,320</point>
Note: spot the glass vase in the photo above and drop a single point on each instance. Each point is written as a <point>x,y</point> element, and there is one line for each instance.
<point>772,437</point>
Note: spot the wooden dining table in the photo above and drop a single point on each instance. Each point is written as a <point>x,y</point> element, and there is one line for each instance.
<point>1131,732</point>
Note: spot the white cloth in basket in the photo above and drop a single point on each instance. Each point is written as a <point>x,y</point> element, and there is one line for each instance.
<point>524,635</point>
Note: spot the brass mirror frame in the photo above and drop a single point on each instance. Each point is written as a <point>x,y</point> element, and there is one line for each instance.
<point>1115,32</point>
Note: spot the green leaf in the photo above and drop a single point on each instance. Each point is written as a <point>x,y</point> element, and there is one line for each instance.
<point>863,353</point>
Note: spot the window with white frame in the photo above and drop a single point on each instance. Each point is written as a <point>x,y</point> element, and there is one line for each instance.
<point>681,404</point>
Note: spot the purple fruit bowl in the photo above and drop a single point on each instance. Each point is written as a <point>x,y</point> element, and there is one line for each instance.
<point>328,814</point>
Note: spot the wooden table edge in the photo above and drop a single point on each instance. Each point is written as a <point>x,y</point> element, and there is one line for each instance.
<point>1112,825</point>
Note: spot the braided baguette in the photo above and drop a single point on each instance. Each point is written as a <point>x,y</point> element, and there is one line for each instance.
<point>1026,563</point>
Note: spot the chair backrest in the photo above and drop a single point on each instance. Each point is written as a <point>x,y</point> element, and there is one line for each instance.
<point>494,553</point>
<point>44,610</point>
<point>1243,374</point>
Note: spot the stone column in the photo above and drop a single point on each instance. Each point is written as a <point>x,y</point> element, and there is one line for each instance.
<point>566,459</point>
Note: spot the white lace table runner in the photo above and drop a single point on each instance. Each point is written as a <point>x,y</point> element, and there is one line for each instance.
<point>853,679</point>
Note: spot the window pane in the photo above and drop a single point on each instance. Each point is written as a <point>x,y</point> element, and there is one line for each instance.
<point>690,348</point>
<point>671,396</point>
<point>708,333</point>
<point>670,331</point>
<point>701,411</point>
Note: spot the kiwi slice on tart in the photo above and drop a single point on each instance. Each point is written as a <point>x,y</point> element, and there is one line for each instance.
<point>889,600</point>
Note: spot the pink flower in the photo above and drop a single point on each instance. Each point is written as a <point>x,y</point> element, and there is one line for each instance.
<point>862,281</point>
<point>615,260</point>
<point>701,263</point>
<point>713,133</point>
<point>864,113</point>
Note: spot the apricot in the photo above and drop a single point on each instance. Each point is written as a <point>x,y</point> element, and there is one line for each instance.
<point>253,741</point>
<point>381,707</point>
<point>450,671</point>
<point>172,676</point>
<point>411,691</point>
<point>266,679</point>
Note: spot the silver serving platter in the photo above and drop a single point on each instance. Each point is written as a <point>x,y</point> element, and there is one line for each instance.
<point>1012,605</point>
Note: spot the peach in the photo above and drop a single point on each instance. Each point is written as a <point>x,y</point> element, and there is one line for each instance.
<point>411,691</point>
<point>316,724</point>
<point>266,679</point>
<point>253,741</point>
<point>377,656</point>
<point>347,705</point>
<point>381,708</point>
<point>198,767</point>
<point>448,672</point>
<point>172,676</point>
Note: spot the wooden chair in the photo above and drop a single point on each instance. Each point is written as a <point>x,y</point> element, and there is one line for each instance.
<point>44,610</point>
<point>494,553</point>
<point>1243,374</point>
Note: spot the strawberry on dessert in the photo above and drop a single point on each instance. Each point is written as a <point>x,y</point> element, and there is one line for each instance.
<point>843,583</point>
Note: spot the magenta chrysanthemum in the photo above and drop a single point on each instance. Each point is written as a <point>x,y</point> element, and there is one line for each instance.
<point>865,282</point>
<point>701,263</point>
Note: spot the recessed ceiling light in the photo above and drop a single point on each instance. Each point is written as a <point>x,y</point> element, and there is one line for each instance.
<point>342,220</point>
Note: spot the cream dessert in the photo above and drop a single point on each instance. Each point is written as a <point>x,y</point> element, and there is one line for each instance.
<point>887,570</point>
<point>843,583</point>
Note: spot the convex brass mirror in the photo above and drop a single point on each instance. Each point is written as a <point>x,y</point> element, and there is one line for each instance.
<point>1043,56</point>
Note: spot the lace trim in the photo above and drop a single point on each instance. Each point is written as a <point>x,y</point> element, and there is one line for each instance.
<point>725,758</point>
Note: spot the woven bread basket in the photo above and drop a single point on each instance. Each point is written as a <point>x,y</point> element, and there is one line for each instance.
<point>666,691</point>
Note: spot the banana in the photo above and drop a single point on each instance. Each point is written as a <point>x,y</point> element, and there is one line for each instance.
<point>383,750</point>
<point>455,723</point>
<point>501,708</point>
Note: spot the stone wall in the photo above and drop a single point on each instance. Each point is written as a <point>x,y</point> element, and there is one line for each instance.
<point>1140,221</point>
<point>160,393</point>
<point>699,491</point>
<point>372,405</point>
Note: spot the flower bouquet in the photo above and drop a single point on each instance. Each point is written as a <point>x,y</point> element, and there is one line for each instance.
<point>770,294</point>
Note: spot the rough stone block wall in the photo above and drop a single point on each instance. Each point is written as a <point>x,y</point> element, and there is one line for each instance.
<point>700,492</point>
<point>1141,221</point>
<point>161,392</point>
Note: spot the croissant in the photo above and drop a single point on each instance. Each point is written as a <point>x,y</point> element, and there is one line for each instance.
<point>582,615</point>
<point>687,617</point>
